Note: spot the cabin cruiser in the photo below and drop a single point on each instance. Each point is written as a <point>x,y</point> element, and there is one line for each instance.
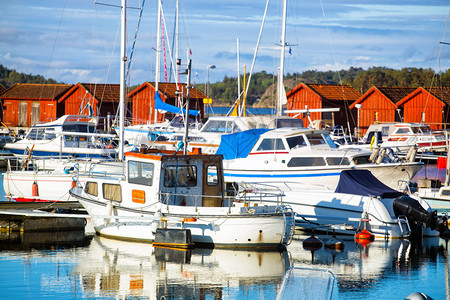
<point>209,136</point>
<point>359,202</point>
<point>68,136</point>
<point>402,136</point>
<point>303,155</point>
<point>167,190</point>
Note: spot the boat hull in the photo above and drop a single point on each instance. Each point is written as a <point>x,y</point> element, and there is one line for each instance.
<point>216,226</point>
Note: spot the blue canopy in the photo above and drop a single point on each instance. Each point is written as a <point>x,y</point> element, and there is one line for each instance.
<point>239,144</point>
<point>362,182</point>
<point>159,104</point>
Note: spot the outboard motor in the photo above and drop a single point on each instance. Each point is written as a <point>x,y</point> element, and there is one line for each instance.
<point>411,208</point>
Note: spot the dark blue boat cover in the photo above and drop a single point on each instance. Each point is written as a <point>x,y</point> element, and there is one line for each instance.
<point>239,144</point>
<point>362,182</point>
<point>159,104</point>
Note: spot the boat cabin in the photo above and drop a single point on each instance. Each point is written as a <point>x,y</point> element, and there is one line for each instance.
<point>396,130</point>
<point>186,180</point>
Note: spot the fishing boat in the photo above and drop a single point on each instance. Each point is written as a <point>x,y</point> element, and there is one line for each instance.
<point>359,202</point>
<point>68,136</point>
<point>177,191</point>
<point>303,155</point>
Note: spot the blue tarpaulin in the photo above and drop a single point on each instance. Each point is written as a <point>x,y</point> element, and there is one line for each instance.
<point>239,144</point>
<point>362,182</point>
<point>159,104</point>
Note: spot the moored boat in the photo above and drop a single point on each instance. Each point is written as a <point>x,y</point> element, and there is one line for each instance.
<point>162,190</point>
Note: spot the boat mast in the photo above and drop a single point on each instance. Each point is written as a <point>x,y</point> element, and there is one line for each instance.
<point>281,90</point>
<point>158,58</point>
<point>186,118</point>
<point>123,60</point>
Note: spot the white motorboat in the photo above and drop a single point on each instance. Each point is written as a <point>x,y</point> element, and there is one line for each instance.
<point>68,136</point>
<point>181,192</point>
<point>402,136</point>
<point>50,179</point>
<point>359,202</point>
<point>209,136</point>
<point>303,155</point>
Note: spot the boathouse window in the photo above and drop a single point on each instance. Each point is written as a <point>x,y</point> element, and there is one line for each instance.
<point>112,192</point>
<point>271,144</point>
<point>140,172</point>
<point>306,162</point>
<point>212,176</point>
<point>296,142</point>
<point>337,161</point>
<point>180,176</point>
<point>91,188</point>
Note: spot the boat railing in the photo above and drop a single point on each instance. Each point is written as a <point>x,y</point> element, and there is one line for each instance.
<point>41,163</point>
<point>259,192</point>
<point>106,170</point>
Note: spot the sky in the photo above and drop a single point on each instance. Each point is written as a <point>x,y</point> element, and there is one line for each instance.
<point>79,41</point>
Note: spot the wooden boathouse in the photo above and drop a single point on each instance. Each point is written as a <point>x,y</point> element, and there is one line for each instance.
<point>143,101</point>
<point>27,104</point>
<point>379,104</point>
<point>430,106</point>
<point>323,96</point>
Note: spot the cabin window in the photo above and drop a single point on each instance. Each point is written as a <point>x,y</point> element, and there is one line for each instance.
<point>385,130</point>
<point>212,177</point>
<point>50,134</point>
<point>361,160</point>
<point>271,144</point>
<point>306,162</point>
<point>316,139</point>
<point>402,131</point>
<point>337,161</point>
<point>35,134</point>
<point>180,176</point>
<point>112,192</point>
<point>140,172</point>
<point>91,188</point>
<point>296,142</point>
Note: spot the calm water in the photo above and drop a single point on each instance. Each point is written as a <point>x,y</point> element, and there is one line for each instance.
<point>68,265</point>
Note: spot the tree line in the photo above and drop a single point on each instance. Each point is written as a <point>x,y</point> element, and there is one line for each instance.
<point>10,77</point>
<point>262,87</point>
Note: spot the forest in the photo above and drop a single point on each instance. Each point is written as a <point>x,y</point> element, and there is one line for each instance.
<point>262,91</point>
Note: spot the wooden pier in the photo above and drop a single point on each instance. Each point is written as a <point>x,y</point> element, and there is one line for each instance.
<point>42,216</point>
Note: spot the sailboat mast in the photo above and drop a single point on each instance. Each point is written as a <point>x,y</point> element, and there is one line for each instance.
<point>123,60</point>
<point>158,57</point>
<point>281,71</point>
<point>186,118</point>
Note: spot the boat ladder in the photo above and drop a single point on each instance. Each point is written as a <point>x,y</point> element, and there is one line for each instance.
<point>399,221</point>
<point>289,222</point>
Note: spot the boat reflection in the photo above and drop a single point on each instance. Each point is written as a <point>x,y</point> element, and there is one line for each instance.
<point>120,269</point>
<point>360,267</point>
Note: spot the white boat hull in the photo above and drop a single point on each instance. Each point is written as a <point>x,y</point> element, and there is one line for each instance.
<point>219,226</point>
<point>244,171</point>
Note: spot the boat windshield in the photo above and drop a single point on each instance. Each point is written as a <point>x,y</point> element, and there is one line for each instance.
<point>422,129</point>
<point>320,139</point>
<point>180,176</point>
<point>79,128</point>
<point>220,126</point>
<point>41,134</point>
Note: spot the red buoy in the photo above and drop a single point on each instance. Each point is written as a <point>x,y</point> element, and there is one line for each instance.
<point>35,189</point>
<point>74,183</point>
<point>364,236</point>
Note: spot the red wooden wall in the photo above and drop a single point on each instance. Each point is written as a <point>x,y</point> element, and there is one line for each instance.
<point>304,96</point>
<point>421,101</point>
<point>375,107</point>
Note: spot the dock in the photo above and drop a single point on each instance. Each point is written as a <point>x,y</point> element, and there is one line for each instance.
<point>42,216</point>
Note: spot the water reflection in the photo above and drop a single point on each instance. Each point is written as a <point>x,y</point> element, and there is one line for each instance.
<point>102,268</point>
<point>123,269</point>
